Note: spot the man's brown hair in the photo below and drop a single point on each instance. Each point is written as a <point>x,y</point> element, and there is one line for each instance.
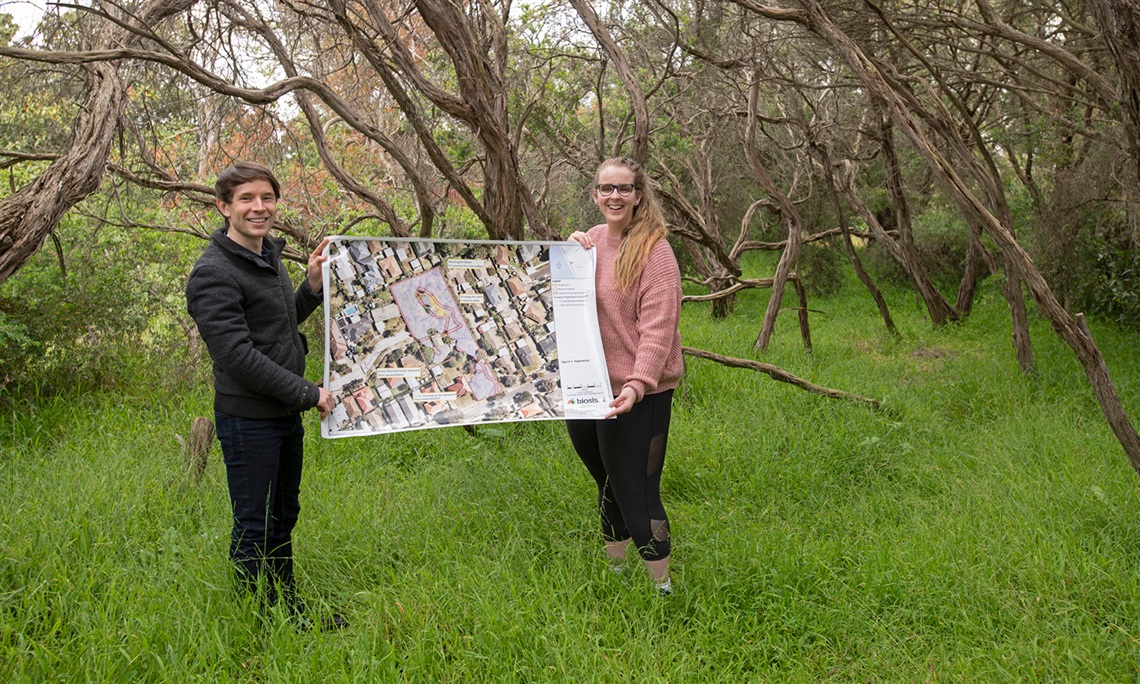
<point>243,172</point>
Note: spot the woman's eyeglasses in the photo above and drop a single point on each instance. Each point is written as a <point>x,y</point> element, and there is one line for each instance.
<point>607,189</point>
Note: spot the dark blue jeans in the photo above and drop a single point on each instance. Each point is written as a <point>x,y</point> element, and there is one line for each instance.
<point>263,466</point>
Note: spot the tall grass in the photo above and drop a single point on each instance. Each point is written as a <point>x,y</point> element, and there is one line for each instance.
<point>985,528</point>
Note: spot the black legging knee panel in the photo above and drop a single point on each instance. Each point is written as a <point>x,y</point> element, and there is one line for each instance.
<point>625,457</point>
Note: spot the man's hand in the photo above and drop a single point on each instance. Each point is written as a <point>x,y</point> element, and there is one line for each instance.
<point>316,261</point>
<point>326,403</point>
<point>623,403</point>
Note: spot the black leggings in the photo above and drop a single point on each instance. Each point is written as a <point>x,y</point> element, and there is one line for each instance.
<point>625,455</point>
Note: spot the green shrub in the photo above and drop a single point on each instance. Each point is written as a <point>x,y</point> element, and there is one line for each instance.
<point>458,222</point>
<point>942,239</point>
<point>821,266</point>
<point>1104,274</point>
<point>106,317</point>
<point>882,266</point>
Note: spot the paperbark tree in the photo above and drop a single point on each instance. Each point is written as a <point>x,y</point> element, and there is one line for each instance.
<point>615,53</point>
<point>30,213</point>
<point>476,45</point>
<point>787,212</point>
<point>812,16</point>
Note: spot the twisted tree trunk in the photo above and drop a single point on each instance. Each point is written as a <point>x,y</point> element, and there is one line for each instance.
<point>32,212</point>
<point>1119,22</point>
<point>625,71</point>
<point>787,211</point>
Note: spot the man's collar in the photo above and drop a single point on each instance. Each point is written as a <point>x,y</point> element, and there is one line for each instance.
<point>271,247</point>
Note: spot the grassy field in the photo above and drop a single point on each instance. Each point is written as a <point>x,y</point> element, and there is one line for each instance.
<point>986,528</point>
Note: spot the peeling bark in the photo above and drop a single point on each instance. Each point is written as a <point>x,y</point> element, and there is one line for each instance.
<point>29,215</point>
<point>787,211</point>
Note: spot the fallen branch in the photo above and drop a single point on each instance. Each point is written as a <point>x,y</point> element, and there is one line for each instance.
<point>758,282</point>
<point>750,245</point>
<point>781,375</point>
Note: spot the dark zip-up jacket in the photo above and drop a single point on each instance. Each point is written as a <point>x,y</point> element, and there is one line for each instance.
<point>247,313</point>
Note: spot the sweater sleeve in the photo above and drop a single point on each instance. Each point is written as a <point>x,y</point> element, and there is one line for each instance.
<point>214,300</point>
<point>658,315</point>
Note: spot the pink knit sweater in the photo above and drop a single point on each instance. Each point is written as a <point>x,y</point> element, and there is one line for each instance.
<point>639,326</point>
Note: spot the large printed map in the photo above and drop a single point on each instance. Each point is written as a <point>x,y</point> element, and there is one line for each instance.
<point>432,333</point>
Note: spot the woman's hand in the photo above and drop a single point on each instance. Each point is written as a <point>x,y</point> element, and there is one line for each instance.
<point>582,239</point>
<point>623,403</point>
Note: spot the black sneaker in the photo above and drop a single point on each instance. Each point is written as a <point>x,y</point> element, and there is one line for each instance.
<point>300,612</point>
<point>327,623</point>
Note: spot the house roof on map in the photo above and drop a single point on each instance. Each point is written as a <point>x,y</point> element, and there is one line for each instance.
<point>412,413</point>
<point>536,312</point>
<point>459,387</point>
<point>337,345</point>
<point>390,267</point>
<point>354,331</point>
<point>394,414</point>
<point>358,250</point>
<point>528,252</point>
<point>366,398</point>
<point>548,344</point>
<point>502,255</point>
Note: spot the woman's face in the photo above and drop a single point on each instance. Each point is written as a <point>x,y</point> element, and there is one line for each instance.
<point>616,208</point>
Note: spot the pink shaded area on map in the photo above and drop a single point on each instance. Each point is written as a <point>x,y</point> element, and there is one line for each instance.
<point>427,305</point>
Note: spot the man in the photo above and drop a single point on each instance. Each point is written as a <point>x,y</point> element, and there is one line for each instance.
<point>240,295</point>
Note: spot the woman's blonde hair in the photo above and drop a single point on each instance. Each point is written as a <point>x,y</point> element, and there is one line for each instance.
<point>645,228</point>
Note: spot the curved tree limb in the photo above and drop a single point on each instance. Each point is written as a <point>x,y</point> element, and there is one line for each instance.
<point>729,291</point>
<point>398,225</point>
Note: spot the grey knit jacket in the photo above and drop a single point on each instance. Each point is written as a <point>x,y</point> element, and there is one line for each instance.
<point>247,313</point>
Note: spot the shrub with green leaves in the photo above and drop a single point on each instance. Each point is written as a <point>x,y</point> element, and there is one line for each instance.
<point>103,313</point>
<point>1105,278</point>
<point>822,267</point>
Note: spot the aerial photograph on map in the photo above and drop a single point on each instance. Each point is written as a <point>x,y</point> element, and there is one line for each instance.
<point>433,333</point>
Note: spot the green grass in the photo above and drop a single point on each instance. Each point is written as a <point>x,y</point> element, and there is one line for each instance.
<point>984,529</point>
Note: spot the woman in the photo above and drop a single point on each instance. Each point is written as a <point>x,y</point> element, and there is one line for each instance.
<point>638,289</point>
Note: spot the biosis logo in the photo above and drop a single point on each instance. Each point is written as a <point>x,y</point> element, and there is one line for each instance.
<point>583,400</point>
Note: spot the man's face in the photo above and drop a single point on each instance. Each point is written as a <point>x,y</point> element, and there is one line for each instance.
<point>250,213</point>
